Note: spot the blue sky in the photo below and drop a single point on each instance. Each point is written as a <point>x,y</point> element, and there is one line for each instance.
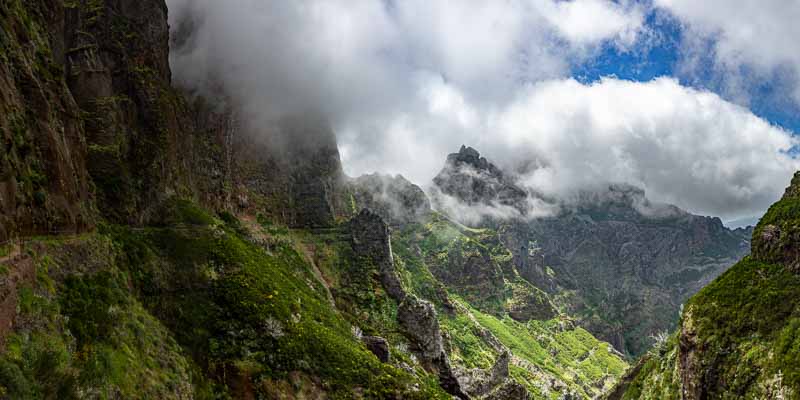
<point>661,54</point>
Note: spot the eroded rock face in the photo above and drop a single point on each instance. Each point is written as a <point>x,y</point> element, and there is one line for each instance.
<point>394,198</point>
<point>421,326</point>
<point>371,242</point>
<point>317,182</point>
<point>44,186</point>
<point>418,318</point>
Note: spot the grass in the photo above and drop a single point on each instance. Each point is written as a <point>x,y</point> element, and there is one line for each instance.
<point>178,309</point>
<point>747,332</point>
<point>89,334</point>
<point>261,310</point>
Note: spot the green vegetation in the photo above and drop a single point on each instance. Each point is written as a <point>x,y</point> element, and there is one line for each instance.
<point>232,310</point>
<point>751,310</point>
<point>88,334</point>
<point>257,314</point>
<point>551,351</point>
<point>747,340</point>
<point>568,353</point>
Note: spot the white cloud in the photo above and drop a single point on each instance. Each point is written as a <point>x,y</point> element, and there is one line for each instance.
<point>760,35</point>
<point>347,57</point>
<point>406,82</point>
<point>683,146</point>
<point>591,21</point>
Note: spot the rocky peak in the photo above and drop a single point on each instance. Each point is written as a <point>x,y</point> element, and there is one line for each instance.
<point>472,179</point>
<point>471,157</point>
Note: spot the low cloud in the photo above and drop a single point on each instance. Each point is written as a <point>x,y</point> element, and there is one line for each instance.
<point>403,83</point>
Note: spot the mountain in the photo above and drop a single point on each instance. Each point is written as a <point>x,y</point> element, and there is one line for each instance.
<point>152,245</point>
<point>618,262</point>
<point>739,336</point>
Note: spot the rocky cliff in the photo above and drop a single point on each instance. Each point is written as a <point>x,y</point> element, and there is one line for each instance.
<point>618,262</point>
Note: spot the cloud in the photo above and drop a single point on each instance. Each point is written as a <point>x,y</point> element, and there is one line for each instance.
<point>403,83</point>
<point>347,58</point>
<point>746,37</point>
<point>684,146</point>
<point>592,21</point>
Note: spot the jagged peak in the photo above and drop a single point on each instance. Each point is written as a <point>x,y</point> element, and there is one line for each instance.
<point>468,156</point>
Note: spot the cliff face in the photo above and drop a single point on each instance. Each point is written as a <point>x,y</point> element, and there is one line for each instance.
<point>622,265</point>
<point>738,337</point>
<point>94,129</point>
<point>44,185</point>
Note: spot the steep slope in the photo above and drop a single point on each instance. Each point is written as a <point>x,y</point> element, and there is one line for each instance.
<point>619,263</point>
<point>193,308</point>
<point>495,325</point>
<point>739,336</point>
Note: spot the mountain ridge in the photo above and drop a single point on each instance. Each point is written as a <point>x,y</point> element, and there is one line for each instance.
<point>612,249</point>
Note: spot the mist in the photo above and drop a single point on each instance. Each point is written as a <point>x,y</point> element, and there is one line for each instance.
<point>402,84</point>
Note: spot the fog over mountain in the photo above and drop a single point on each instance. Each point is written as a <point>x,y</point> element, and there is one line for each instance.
<point>403,83</point>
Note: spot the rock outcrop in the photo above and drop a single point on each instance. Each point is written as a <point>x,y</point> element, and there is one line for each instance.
<point>371,242</point>
<point>777,237</point>
<point>378,346</point>
<point>421,325</point>
<point>480,382</point>
<point>473,180</point>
